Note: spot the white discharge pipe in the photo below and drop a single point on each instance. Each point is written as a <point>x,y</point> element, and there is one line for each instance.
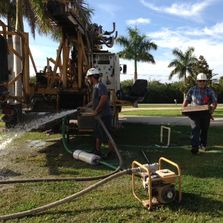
<point>168,134</point>
<point>86,157</point>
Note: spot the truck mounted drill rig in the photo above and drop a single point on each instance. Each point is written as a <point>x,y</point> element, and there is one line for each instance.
<point>61,84</point>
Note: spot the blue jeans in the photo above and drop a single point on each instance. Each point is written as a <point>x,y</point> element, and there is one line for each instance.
<point>199,125</point>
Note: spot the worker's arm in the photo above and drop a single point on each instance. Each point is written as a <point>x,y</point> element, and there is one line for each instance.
<point>102,102</point>
<point>213,106</point>
<point>185,103</point>
<point>89,105</point>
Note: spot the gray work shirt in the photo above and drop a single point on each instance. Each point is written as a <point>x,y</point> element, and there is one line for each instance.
<point>98,91</point>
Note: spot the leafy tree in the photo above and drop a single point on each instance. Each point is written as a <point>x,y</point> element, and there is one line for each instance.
<point>183,63</point>
<point>201,66</point>
<point>126,86</point>
<point>7,10</point>
<point>15,10</point>
<point>136,47</point>
<point>33,11</point>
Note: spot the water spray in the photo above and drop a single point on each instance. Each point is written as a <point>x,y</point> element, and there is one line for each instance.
<point>36,123</point>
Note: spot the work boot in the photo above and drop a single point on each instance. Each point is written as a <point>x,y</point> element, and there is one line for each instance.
<point>97,152</point>
<point>203,148</point>
<point>194,150</point>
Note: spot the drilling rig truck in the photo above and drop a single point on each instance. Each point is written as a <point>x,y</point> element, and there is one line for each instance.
<point>61,83</point>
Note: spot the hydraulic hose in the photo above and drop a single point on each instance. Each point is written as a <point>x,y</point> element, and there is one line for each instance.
<point>67,147</point>
<point>64,138</point>
<point>111,140</point>
<point>68,198</point>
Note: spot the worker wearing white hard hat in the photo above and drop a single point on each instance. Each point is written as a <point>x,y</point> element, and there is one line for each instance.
<point>93,72</point>
<point>202,77</point>
<point>101,106</point>
<point>200,94</point>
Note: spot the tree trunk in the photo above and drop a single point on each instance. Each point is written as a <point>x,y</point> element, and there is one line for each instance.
<point>135,72</point>
<point>184,93</point>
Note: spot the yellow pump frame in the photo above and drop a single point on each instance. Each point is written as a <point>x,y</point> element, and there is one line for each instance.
<point>169,178</point>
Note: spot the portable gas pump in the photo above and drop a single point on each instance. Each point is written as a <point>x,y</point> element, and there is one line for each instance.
<point>158,183</point>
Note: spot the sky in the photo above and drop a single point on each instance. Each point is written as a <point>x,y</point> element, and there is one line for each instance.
<point>168,23</point>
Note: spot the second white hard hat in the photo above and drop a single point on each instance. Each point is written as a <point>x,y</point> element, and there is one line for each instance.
<point>92,71</point>
<point>201,77</point>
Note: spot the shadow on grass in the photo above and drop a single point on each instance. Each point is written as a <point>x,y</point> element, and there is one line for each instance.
<point>131,140</point>
<point>197,204</point>
<point>191,203</point>
<point>4,172</point>
<point>60,162</point>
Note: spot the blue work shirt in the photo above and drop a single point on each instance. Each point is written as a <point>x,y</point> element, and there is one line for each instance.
<point>201,96</point>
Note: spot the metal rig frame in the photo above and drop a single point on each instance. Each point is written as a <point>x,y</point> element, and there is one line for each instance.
<point>61,84</point>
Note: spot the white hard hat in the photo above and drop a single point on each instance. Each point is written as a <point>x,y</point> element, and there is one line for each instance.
<point>201,77</point>
<point>93,72</point>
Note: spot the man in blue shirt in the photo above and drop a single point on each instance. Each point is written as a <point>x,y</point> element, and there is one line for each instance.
<point>200,121</point>
<point>101,106</point>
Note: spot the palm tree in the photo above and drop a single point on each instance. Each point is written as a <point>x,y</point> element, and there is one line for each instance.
<point>21,8</point>
<point>33,11</point>
<point>136,47</point>
<point>7,10</point>
<point>183,63</point>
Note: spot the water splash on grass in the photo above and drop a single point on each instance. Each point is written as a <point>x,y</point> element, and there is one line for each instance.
<point>36,122</point>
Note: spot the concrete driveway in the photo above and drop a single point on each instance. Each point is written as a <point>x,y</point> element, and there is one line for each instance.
<point>158,120</point>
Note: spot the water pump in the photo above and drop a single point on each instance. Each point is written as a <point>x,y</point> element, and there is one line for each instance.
<point>158,183</point>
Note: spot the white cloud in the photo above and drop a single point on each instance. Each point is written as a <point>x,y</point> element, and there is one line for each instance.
<point>182,36</point>
<point>138,21</point>
<point>148,71</point>
<point>188,9</point>
<point>215,30</point>
<point>206,42</point>
<point>40,54</point>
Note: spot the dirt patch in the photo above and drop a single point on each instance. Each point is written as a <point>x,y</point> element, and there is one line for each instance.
<point>23,157</point>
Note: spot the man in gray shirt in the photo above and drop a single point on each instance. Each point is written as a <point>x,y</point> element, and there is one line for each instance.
<point>101,107</point>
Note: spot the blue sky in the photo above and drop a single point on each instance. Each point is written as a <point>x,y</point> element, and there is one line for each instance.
<point>169,23</point>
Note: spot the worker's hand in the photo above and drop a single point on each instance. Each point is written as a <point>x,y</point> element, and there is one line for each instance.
<point>211,109</point>
<point>81,109</point>
<point>95,113</point>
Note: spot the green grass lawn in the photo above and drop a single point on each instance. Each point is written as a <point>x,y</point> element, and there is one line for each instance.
<point>165,110</point>
<point>114,202</point>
